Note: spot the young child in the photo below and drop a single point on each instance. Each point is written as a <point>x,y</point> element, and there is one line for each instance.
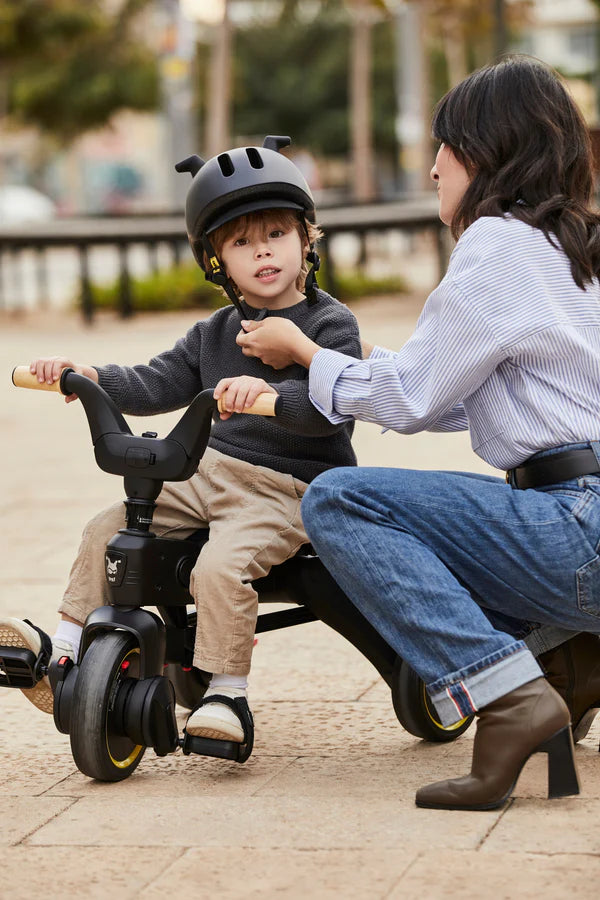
<point>250,219</point>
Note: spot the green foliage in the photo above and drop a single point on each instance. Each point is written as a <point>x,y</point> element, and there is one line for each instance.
<point>39,27</point>
<point>291,77</point>
<point>185,288</point>
<point>354,285</point>
<point>68,66</point>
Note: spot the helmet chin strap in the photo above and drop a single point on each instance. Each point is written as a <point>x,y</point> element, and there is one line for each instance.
<point>218,275</point>
<point>310,285</point>
<point>312,257</point>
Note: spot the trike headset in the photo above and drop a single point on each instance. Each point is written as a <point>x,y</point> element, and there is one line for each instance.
<point>238,182</point>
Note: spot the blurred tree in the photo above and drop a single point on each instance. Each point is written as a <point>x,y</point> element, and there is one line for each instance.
<point>67,66</point>
<point>364,14</point>
<point>291,77</point>
<point>470,33</point>
<point>219,79</point>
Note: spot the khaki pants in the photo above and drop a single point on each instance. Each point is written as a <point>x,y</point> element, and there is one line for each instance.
<point>254,518</point>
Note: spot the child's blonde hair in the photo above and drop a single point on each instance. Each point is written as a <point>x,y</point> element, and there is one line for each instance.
<point>260,223</point>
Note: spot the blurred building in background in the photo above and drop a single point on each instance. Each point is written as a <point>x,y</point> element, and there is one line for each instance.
<point>565,34</point>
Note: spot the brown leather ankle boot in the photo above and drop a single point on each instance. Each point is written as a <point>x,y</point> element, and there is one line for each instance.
<point>531,719</point>
<point>573,669</point>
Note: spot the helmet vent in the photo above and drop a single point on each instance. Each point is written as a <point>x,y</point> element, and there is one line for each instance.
<point>255,158</point>
<point>225,164</point>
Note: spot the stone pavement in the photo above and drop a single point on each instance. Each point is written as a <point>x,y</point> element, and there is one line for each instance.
<point>325,805</point>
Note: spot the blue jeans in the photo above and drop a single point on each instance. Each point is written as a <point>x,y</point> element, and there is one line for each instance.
<point>422,554</point>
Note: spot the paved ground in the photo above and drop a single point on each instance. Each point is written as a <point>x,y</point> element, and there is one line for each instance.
<point>325,806</point>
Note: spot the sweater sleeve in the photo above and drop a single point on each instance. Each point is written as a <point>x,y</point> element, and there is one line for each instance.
<point>338,331</point>
<point>169,381</point>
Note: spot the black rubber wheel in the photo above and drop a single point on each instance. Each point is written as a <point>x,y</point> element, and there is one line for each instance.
<point>189,685</point>
<point>415,711</point>
<point>99,750</point>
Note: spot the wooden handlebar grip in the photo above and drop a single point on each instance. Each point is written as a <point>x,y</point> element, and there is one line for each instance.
<point>264,405</point>
<point>22,377</point>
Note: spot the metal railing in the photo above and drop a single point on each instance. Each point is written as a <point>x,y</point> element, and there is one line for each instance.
<point>414,215</point>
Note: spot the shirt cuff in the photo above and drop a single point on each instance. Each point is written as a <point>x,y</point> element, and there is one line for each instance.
<point>325,369</point>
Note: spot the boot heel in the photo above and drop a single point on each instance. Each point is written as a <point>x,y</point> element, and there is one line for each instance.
<point>562,773</point>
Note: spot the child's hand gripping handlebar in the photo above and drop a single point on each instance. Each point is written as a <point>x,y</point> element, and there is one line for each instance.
<point>117,450</point>
<point>264,405</point>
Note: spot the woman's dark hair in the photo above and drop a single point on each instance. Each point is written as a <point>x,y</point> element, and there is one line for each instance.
<point>525,145</point>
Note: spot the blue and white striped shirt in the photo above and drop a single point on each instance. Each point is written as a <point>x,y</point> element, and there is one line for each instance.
<point>507,346</point>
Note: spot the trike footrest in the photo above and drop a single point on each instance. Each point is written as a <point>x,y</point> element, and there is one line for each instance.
<point>210,747</point>
<point>19,667</point>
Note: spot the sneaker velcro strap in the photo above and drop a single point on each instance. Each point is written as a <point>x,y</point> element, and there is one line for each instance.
<point>46,648</point>
<point>20,667</point>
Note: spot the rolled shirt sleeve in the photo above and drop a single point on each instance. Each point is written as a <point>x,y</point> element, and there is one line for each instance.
<point>422,386</point>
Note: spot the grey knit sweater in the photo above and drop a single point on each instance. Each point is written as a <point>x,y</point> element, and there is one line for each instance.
<point>300,441</point>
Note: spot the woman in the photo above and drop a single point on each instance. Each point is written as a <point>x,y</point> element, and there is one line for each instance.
<point>507,346</point>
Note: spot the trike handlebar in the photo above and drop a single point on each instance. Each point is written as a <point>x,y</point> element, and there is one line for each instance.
<point>264,405</point>
<point>117,450</point>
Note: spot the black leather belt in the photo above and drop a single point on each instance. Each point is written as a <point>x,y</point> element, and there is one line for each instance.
<point>554,469</point>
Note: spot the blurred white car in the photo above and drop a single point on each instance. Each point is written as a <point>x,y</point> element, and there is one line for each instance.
<point>19,204</point>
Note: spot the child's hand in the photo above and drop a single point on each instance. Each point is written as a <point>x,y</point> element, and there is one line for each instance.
<point>49,368</point>
<point>238,393</point>
<point>277,342</point>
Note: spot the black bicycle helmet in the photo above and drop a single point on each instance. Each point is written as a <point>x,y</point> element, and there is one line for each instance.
<point>238,182</point>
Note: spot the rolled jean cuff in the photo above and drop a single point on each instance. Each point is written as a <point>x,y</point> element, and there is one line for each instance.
<point>463,693</point>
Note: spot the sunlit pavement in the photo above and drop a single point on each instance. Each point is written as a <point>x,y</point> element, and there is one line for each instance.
<point>325,805</point>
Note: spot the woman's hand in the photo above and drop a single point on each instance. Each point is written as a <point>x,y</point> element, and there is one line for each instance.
<point>277,342</point>
<point>237,394</point>
<point>49,369</point>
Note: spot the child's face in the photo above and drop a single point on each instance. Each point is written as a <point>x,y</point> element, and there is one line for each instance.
<point>452,180</point>
<point>265,261</point>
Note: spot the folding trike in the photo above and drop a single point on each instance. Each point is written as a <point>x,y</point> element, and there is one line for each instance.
<point>135,664</point>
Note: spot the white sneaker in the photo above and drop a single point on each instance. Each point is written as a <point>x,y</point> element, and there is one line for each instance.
<point>215,720</point>
<point>18,633</point>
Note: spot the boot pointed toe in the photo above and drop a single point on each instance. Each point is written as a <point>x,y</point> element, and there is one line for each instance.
<point>459,793</point>
<point>441,794</point>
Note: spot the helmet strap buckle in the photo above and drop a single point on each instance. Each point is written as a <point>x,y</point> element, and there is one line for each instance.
<point>216,274</point>
<point>310,285</point>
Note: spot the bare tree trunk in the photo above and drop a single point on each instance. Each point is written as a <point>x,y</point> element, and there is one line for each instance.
<point>455,51</point>
<point>363,186</point>
<point>413,96</point>
<point>219,88</point>
<point>500,30</point>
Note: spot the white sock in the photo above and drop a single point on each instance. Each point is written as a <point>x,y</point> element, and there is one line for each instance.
<point>69,632</point>
<point>235,682</point>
